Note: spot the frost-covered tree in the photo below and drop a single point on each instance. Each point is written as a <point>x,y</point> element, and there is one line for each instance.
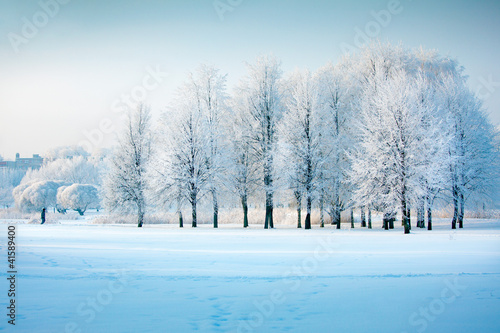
<point>181,164</point>
<point>472,154</point>
<point>9,179</point>
<point>388,166</point>
<point>167,186</point>
<point>300,140</point>
<point>65,152</point>
<point>243,166</point>
<point>37,195</point>
<point>78,169</point>
<point>338,90</point>
<point>125,182</point>
<point>209,87</point>
<point>78,197</point>
<point>262,90</point>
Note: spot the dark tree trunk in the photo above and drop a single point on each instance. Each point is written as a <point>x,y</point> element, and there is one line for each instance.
<point>321,213</point>
<point>269,212</point>
<point>193,212</point>
<point>455,208</point>
<point>268,183</point>
<point>369,218</point>
<point>388,221</point>
<point>245,210</point>
<point>299,217</point>
<point>408,216</point>
<point>269,218</point>
<point>140,215</point>
<point>80,211</point>
<point>216,209</point>
<point>363,218</point>
<point>461,211</point>
<point>352,218</point>
<point>404,217</point>
<point>298,198</point>
<point>429,217</point>
<point>181,222</point>
<point>336,216</point>
<point>308,215</point>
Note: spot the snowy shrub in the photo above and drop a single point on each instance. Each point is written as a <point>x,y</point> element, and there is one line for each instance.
<point>78,197</point>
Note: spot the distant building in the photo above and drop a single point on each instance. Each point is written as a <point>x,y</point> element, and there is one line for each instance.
<point>25,163</point>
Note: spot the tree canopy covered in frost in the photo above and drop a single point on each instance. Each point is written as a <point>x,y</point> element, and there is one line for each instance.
<point>9,179</point>
<point>125,184</point>
<point>34,196</point>
<point>388,129</point>
<point>261,96</point>
<point>78,169</point>
<point>301,141</point>
<point>191,156</point>
<point>78,197</point>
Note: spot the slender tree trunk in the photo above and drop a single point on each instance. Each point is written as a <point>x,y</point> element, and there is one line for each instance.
<point>408,216</point>
<point>363,218</point>
<point>244,204</point>
<point>421,213</point>
<point>298,198</point>
<point>338,217</point>
<point>321,213</point>
<point>269,211</point>
<point>461,211</point>
<point>352,218</point>
<point>140,214</point>
<point>386,219</point>
<point>268,183</point>
<point>369,217</point>
<point>429,216</point>
<point>404,217</point>
<point>455,208</point>
<point>179,211</point>
<point>193,211</point>
<point>216,208</point>
<point>308,215</point>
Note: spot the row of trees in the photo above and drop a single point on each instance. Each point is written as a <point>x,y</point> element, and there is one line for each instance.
<point>385,130</point>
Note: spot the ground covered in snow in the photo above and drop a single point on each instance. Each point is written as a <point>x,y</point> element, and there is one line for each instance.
<point>79,277</point>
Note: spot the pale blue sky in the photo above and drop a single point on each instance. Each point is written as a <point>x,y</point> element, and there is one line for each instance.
<point>65,79</point>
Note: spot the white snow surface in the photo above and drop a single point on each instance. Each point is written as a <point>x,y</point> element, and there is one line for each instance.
<point>79,277</point>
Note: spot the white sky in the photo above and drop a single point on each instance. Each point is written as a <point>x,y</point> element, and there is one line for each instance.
<point>66,77</point>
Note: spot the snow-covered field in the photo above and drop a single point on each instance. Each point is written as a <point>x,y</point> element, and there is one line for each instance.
<point>75,277</point>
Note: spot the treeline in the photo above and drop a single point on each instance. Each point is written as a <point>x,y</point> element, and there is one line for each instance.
<point>388,130</point>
